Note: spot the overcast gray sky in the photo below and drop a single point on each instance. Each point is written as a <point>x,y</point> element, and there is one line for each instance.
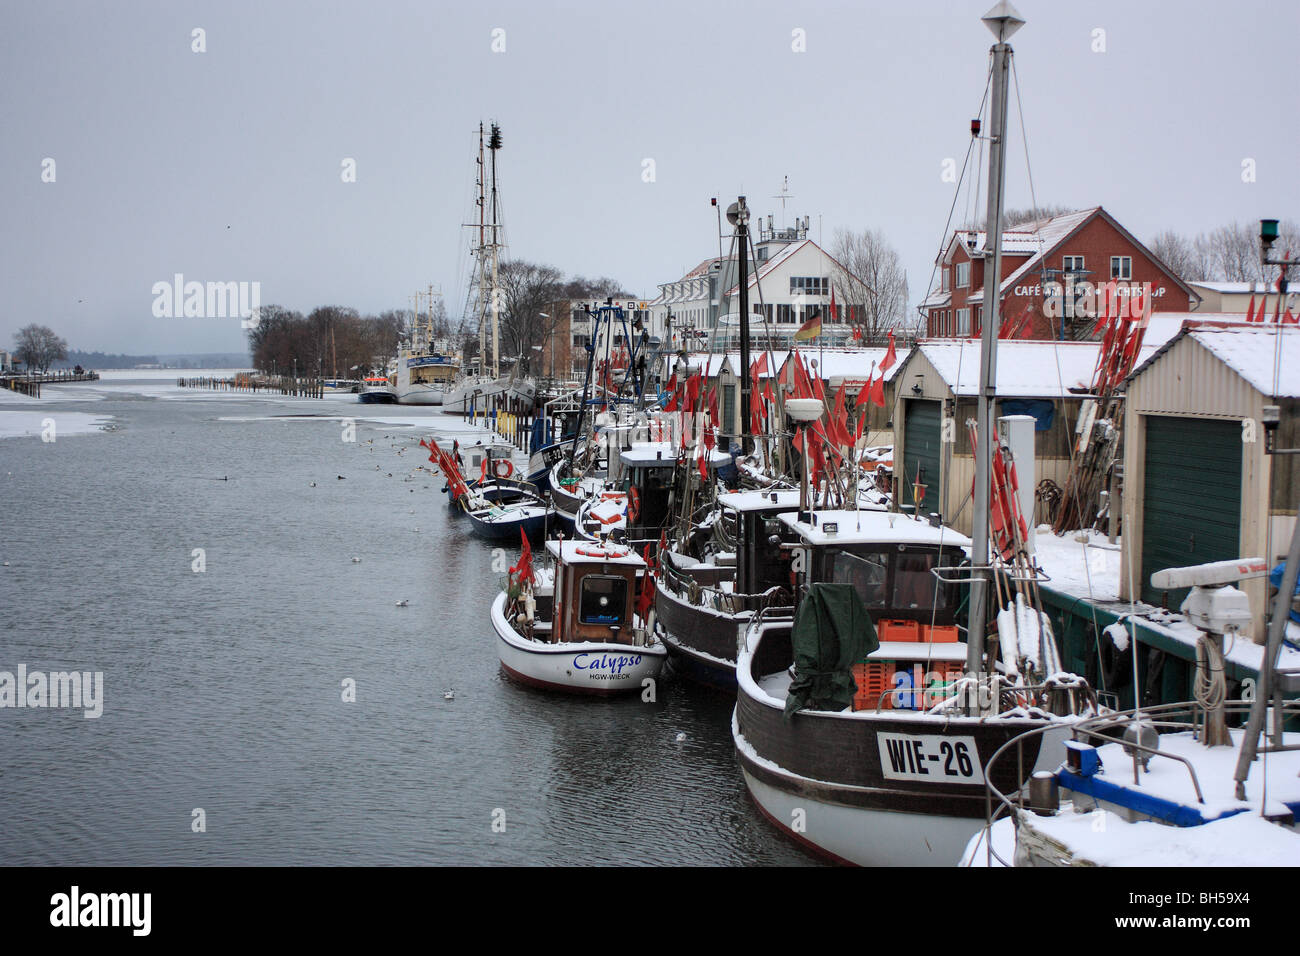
<point>226,164</point>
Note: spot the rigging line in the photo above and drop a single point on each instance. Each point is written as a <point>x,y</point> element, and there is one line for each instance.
<point>943,238</point>
<point>1024,138</point>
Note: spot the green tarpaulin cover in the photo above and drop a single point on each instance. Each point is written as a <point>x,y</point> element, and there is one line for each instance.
<point>832,632</point>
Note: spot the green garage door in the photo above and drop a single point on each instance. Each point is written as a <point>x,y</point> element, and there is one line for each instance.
<point>1192,500</point>
<point>921,428</point>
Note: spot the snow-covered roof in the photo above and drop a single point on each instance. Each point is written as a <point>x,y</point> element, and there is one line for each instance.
<point>1237,288</point>
<point>872,527</point>
<point>854,364</point>
<point>1048,234</point>
<point>787,500</point>
<point>764,268</point>
<point>1251,350</point>
<point>1025,369</point>
<point>712,362</point>
<point>645,454</point>
<point>571,552</point>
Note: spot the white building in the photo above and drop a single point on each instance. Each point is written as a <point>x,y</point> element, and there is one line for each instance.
<point>789,281</point>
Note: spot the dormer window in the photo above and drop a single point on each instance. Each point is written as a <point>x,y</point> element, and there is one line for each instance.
<point>944,286</point>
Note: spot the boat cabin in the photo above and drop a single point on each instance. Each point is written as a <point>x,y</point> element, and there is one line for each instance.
<point>648,468</point>
<point>889,559</point>
<point>432,369</point>
<point>595,592</point>
<point>763,542</point>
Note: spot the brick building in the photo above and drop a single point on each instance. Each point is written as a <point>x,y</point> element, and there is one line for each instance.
<point>1051,271</point>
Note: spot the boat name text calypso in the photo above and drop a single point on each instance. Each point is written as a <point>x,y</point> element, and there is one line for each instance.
<point>614,663</point>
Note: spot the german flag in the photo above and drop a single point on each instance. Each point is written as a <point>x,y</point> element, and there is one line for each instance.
<point>810,329</point>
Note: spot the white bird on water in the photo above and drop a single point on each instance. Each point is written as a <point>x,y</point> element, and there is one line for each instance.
<point>450,695</point>
<point>680,736</point>
<point>356,560</point>
<point>403,602</point>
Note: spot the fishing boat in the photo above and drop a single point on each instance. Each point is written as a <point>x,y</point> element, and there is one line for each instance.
<point>504,520</point>
<point>376,390</point>
<point>579,625</point>
<point>703,607</point>
<point>858,730</point>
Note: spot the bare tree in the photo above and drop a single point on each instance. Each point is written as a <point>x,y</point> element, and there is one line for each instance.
<point>37,347</point>
<point>1186,258</point>
<point>526,289</point>
<point>1229,253</point>
<point>871,281</point>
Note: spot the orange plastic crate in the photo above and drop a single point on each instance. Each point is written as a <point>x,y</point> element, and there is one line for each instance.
<point>873,679</point>
<point>939,635</point>
<point>898,630</point>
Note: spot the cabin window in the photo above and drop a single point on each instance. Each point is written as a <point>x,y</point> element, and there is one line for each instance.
<point>868,573</point>
<point>914,585</point>
<point>604,599</point>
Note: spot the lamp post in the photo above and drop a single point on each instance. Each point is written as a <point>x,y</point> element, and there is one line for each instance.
<point>803,411</point>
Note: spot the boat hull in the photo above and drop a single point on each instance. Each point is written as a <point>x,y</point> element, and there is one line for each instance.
<point>420,395</point>
<point>701,642</point>
<point>533,524</point>
<point>376,398</point>
<point>577,668</point>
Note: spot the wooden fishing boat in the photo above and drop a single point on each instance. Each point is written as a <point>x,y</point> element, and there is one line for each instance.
<point>891,772</point>
<point>578,626</point>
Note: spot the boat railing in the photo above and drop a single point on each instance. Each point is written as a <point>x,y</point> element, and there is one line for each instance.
<point>1107,728</point>
<point>728,602</point>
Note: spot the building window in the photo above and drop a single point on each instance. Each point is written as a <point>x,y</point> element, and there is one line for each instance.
<point>963,322</point>
<point>785,313</point>
<point>1121,267</point>
<point>963,274</point>
<point>579,341</point>
<point>809,285</point>
<point>1072,263</point>
<point>944,282</point>
<point>762,253</point>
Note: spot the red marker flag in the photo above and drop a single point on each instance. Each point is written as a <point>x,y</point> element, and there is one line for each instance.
<point>890,355</point>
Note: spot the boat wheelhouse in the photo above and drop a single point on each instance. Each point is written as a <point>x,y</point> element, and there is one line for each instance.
<point>578,628</point>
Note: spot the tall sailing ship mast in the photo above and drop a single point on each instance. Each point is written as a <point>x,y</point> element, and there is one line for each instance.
<point>486,389</point>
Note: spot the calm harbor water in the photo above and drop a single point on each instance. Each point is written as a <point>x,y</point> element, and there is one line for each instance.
<point>223,689</point>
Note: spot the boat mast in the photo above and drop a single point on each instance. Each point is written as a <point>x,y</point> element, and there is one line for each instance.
<point>482,211</point>
<point>494,144</point>
<point>1003,21</point>
<point>738,214</point>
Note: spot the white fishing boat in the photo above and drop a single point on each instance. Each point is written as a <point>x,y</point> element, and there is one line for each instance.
<point>578,626</point>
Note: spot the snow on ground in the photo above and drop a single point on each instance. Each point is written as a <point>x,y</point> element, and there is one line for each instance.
<point>18,424</point>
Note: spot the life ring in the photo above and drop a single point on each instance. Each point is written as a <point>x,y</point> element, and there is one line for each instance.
<point>503,468</point>
<point>633,506</point>
<point>600,553</point>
